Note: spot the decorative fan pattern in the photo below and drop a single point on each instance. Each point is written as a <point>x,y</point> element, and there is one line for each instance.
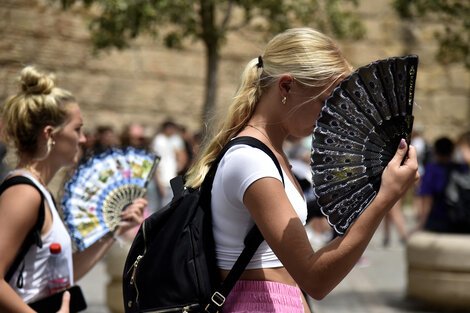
<point>357,134</point>
<point>101,188</point>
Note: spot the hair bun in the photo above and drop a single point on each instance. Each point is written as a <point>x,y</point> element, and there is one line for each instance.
<point>35,82</point>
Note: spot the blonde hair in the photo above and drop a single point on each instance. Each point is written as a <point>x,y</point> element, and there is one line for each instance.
<point>310,57</point>
<point>38,104</point>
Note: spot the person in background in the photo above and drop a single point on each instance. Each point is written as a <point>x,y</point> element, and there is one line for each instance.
<point>280,95</point>
<point>105,138</point>
<point>44,124</point>
<point>425,155</point>
<point>433,216</point>
<point>395,216</point>
<point>186,158</point>
<point>462,149</point>
<point>423,149</point>
<point>169,145</point>
<point>195,148</point>
<point>133,135</point>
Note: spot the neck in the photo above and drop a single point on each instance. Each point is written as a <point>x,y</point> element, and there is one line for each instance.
<point>40,171</point>
<point>270,133</point>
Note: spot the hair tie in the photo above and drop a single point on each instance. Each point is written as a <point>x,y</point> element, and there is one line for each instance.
<point>260,62</point>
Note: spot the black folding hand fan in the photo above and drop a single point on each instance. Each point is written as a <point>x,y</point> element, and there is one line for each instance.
<point>357,134</point>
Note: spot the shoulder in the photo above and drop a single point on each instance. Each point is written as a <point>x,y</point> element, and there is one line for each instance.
<point>20,197</point>
<point>241,166</point>
<point>19,207</point>
<point>243,162</point>
<point>249,156</point>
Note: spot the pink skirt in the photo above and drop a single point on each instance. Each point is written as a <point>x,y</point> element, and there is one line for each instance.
<point>250,296</point>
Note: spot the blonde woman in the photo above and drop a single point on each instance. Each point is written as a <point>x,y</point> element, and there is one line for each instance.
<point>281,94</point>
<point>44,123</point>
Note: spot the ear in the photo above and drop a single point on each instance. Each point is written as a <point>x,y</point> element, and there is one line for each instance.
<point>48,132</point>
<point>285,84</point>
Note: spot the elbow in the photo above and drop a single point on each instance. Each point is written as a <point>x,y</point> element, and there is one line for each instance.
<point>317,292</point>
<point>318,295</point>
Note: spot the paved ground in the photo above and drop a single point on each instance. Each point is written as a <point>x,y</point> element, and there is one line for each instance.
<point>378,285</point>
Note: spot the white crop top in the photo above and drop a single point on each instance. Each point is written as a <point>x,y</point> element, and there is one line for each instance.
<point>35,269</point>
<point>239,168</point>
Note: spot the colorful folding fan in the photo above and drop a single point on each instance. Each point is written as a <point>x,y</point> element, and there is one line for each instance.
<point>101,188</point>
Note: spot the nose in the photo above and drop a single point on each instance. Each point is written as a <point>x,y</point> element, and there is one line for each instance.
<point>82,139</point>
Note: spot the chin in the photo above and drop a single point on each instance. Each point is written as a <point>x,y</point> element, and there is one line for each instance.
<point>75,160</point>
<point>307,132</point>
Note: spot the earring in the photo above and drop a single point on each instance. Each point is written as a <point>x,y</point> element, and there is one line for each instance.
<point>284,100</point>
<point>50,144</point>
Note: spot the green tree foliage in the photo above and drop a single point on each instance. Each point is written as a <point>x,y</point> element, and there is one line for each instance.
<point>114,23</point>
<point>453,15</point>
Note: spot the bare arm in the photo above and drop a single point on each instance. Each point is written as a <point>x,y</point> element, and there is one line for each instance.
<point>319,272</point>
<point>17,216</point>
<point>84,261</point>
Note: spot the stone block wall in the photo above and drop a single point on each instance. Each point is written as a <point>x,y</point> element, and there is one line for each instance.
<point>148,82</point>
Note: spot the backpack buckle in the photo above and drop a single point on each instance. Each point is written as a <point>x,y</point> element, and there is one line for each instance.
<point>218,299</point>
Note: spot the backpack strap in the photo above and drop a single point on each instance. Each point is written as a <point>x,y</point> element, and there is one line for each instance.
<point>254,237</point>
<point>33,237</point>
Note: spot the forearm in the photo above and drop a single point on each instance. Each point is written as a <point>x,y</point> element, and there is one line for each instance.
<point>10,301</point>
<point>330,265</point>
<point>84,261</point>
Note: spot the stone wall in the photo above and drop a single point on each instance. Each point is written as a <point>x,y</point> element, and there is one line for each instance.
<point>147,82</point>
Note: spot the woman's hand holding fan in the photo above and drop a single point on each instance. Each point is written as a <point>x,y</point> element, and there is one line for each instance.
<point>132,216</point>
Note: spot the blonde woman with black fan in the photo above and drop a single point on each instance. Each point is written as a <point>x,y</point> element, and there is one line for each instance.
<point>281,94</point>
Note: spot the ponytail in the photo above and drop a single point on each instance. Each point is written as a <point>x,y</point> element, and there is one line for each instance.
<point>240,112</point>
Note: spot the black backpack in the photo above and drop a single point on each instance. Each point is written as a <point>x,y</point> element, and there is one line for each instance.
<point>34,235</point>
<point>171,265</point>
<point>457,197</point>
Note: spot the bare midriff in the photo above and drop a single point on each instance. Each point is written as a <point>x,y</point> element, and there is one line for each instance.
<point>277,274</point>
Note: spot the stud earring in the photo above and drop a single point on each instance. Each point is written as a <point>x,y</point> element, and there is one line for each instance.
<point>284,100</point>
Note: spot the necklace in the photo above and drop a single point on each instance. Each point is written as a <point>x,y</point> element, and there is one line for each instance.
<point>35,173</point>
<point>265,136</point>
<point>259,130</point>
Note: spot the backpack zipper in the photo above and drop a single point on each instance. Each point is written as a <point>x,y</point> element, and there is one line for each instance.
<point>132,281</point>
<point>136,264</point>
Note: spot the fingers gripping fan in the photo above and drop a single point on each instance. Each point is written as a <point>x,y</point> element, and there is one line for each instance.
<point>357,134</point>
<point>101,188</point>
